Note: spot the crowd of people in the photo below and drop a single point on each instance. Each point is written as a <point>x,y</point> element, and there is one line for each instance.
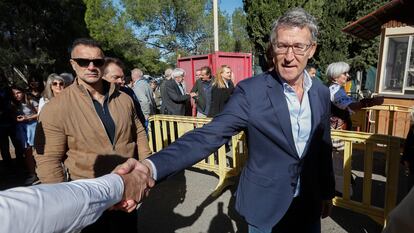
<point>86,127</point>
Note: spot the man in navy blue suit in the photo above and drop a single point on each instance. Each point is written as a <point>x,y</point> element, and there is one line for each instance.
<point>287,184</point>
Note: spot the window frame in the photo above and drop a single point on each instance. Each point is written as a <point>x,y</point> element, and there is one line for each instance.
<point>390,33</point>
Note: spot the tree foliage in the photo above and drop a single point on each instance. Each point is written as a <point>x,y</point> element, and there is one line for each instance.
<point>109,26</point>
<point>171,26</point>
<point>241,42</point>
<point>185,27</point>
<point>35,36</point>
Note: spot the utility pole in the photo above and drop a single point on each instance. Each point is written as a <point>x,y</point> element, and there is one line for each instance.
<point>215,16</point>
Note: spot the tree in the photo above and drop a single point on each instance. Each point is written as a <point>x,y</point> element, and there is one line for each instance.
<point>226,40</point>
<point>36,35</point>
<point>171,26</point>
<point>109,26</point>
<point>239,32</point>
<point>182,28</point>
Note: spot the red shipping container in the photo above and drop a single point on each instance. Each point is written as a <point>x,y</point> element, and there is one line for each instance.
<point>240,64</point>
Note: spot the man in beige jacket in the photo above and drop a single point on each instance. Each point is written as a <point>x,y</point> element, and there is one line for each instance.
<point>92,127</point>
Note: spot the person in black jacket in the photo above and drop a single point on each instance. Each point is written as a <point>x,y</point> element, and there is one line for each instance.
<point>202,88</point>
<point>222,88</point>
<point>176,98</point>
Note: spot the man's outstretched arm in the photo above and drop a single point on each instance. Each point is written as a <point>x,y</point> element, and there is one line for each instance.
<point>66,207</point>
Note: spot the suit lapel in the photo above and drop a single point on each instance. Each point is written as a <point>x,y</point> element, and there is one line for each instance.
<point>315,105</point>
<point>281,110</point>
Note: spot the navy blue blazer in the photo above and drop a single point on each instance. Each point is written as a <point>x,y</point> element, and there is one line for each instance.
<point>269,179</point>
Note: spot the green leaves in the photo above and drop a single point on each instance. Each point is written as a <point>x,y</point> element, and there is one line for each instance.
<point>35,36</point>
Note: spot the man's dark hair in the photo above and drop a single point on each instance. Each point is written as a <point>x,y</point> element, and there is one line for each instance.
<point>128,79</point>
<point>207,69</point>
<point>114,60</point>
<point>310,66</point>
<point>87,42</point>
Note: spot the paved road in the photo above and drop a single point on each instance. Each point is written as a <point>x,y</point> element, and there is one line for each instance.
<point>182,204</point>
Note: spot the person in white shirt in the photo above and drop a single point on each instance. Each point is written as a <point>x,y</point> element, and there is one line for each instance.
<point>71,206</point>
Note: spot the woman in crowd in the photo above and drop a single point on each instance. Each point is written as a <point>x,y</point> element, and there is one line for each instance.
<point>341,109</point>
<point>25,111</point>
<point>54,85</point>
<point>222,88</point>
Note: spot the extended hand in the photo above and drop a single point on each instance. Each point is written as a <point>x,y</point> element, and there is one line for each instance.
<point>137,181</point>
<point>136,185</point>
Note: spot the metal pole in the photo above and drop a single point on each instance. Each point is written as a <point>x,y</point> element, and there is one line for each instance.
<point>216,44</point>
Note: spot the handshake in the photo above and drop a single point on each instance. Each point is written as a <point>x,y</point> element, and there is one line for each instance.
<point>137,178</point>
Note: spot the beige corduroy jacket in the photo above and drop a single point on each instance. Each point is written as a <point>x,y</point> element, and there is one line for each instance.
<point>70,131</point>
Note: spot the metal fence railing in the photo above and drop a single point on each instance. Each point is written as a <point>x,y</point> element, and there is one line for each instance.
<point>226,162</point>
<point>364,150</point>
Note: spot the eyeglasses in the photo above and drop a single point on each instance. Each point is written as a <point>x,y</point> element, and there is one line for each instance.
<point>58,84</point>
<point>84,62</point>
<point>297,48</point>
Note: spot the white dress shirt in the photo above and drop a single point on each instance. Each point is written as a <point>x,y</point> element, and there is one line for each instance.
<point>63,207</point>
<point>300,117</point>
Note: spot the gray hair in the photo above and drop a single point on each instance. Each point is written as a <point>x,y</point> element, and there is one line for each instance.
<point>167,73</point>
<point>295,17</point>
<point>137,73</point>
<point>48,93</point>
<point>177,72</point>
<point>335,69</point>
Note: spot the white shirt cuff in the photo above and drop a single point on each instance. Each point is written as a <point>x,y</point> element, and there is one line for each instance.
<point>153,168</point>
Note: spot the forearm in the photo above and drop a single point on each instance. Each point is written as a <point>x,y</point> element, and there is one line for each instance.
<point>32,117</point>
<point>176,98</point>
<point>49,169</point>
<point>64,207</point>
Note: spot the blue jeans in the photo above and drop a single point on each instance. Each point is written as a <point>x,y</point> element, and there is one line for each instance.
<point>25,133</point>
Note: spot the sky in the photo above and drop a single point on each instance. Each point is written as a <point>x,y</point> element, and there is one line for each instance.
<point>229,5</point>
<point>224,5</point>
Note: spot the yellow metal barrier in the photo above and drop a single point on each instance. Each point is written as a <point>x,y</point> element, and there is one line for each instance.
<point>370,146</point>
<point>166,129</point>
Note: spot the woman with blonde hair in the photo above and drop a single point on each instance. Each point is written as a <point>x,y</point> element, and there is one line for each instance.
<point>222,88</point>
<point>54,85</point>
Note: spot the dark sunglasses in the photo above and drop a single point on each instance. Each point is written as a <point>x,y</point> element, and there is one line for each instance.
<point>84,62</point>
<point>57,84</point>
